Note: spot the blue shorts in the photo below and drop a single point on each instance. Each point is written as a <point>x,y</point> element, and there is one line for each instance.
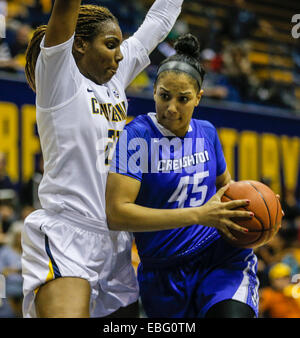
<point>186,287</point>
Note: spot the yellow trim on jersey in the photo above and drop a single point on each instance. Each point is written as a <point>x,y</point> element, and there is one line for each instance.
<point>49,277</point>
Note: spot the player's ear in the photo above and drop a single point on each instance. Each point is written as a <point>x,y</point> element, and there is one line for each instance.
<point>199,96</point>
<point>80,45</point>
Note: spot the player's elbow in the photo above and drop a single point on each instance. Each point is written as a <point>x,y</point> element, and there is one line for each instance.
<point>114,221</point>
<point>111,220</point>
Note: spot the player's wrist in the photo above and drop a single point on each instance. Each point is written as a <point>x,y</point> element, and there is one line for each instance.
<point>196,215</point>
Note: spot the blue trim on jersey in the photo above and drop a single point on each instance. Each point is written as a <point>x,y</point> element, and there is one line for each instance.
<point>56,271</point>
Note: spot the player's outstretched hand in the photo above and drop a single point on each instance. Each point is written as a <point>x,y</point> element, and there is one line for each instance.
<point>218,214</point>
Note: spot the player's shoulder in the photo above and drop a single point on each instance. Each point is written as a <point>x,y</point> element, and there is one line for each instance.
<point>138,126</point>
<point>204,124</point>
<point>207,127</point>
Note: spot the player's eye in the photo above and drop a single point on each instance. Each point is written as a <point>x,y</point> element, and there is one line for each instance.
<point>184,99</point>
<point>164,96</point>
<point>110,45</point>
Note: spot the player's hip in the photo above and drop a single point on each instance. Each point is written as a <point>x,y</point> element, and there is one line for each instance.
<point>189,289</point>
<point>56,246</point>
<point>71,245</point>
<point>212,251</point>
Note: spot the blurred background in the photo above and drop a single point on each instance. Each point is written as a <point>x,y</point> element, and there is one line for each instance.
<point>251,94</point>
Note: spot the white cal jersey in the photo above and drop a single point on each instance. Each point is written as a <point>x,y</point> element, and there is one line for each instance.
<point>78,124</point>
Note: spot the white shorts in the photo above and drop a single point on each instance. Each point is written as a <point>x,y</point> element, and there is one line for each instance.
<point>70,245</point>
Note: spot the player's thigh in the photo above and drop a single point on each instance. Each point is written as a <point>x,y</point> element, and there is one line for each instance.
<point>66,297</point>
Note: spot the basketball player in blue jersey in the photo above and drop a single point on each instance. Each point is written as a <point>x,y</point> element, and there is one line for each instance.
<point>168,167</point>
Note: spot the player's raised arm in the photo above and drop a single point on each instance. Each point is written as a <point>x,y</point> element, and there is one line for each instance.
<point>159,21</point>
<point>62,22</point>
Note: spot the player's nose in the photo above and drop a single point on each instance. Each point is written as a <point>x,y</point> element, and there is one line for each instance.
<point>119,56</point>
<point>172,109</point>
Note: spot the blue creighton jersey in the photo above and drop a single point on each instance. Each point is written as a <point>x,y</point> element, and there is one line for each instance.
<point>174,173</point>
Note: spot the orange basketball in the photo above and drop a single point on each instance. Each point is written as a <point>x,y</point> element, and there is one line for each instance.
<point>267,213</point>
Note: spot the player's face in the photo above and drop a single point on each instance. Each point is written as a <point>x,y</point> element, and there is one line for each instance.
<point>176,97</point>
<point>101,57</point>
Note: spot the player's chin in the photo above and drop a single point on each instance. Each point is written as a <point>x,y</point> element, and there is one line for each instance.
<point>111,73</point>
<point>105,78</point>
<point>173,122</point>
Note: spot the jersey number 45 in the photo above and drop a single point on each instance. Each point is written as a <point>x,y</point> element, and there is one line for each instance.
<point>181,193</point>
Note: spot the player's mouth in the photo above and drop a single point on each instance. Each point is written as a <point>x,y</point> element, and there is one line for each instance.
<point>113,70</point>
<point>172,119</point>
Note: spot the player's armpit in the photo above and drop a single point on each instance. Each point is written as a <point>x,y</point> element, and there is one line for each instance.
<point>62,22</point>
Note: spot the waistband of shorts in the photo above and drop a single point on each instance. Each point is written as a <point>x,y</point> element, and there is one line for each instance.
<point>83,222</point>
<point>189,255</point>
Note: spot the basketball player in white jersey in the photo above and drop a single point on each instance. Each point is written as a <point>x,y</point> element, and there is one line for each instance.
<point>80,67</point>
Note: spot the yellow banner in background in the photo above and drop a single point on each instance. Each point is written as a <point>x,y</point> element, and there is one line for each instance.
<point>249,154</point>
<point>9,137</point>
<point>262,156</point>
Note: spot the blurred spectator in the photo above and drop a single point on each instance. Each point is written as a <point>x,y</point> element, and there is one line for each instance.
<point>18,10</point>
<point>26,211</point>
<point>3,14</point>
<point>239,72</point>
<point>212,36</point>
<point>245,22</point>
<point>8,197</point>
<point>8,213</point>
<point>19,46</point>
<point>290,205</point>
<point>5,182</point>
<point>38,12</point>
<point>269,254</point>
<point>215,84</point>
<point>291,253</point>
<point>3,7</point>
<point>7,63</point>
<point>275,301</point>
<point>29,191</point>
<point>276,94</point>
<point>129,13</point>
<point>10,267</point>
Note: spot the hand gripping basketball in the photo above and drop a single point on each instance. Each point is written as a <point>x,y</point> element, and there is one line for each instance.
<point>264,204</point>
<point>220,214</point>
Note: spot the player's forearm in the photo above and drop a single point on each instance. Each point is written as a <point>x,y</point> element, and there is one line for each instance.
<point>62,22</point>
<point>135,218</point>
<point>158,23</point>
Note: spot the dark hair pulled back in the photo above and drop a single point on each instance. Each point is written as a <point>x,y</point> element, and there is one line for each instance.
<point>187,49</point>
